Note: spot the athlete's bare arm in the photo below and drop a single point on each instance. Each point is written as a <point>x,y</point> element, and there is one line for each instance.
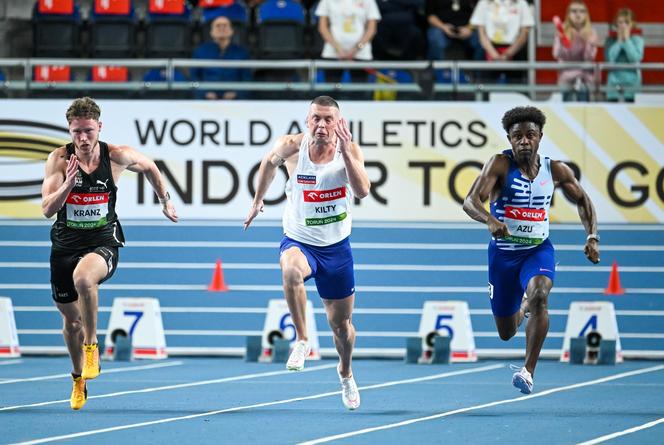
<point>59,179</point>
<point>285,151</point>
<point>564,178</point>
<point>491,177</point>
<point>353,160</point>
<point>124,157</point>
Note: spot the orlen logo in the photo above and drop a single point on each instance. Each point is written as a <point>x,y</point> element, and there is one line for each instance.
<point>324,195</point>
<point>87,198</point>
<point>525,214</point>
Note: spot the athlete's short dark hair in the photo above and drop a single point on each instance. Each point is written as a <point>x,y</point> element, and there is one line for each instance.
<point>325,101</point>
<point>83,108</point>
<point>523,114</point>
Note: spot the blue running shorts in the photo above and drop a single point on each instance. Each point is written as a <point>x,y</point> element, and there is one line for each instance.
<point>511,270</point>
<point>331,267</point>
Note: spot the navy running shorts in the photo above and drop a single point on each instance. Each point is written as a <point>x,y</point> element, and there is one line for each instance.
<point>331,267</point>
<point>511,270</point>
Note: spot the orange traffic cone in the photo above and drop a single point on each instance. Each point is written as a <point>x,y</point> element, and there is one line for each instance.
<point>614,282</point>
<point>218,284</point>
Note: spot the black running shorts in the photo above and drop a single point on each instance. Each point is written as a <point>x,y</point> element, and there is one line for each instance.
<point>62,271</point>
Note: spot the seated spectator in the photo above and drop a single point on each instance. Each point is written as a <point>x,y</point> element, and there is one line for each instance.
<point>220,48</point>
<point>578,43</point>
<point>623,45</point>
<point>398,35</point>
<point>347,28</point>
<point>503,27</point>
<point>449,26</point>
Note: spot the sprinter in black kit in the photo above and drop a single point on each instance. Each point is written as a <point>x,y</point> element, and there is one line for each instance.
<point>80,187</point>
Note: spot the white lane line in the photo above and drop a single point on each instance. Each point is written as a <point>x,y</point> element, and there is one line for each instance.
<point>104,371</point>
<point>12,362</point>
<point>373,267</point>
<point>482,406</point>
<point>258,405</point>
<point>622,433</point>
<point>170,387</point>
<point>356,246</point>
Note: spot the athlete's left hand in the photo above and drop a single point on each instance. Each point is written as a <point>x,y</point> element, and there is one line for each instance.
<point>169,211</point>
<point>343,133</point>
<point>591,249</point>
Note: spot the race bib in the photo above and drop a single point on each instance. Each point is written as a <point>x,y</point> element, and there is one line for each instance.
<point>526,226</point>
<point>324,206</point>
<point>87,210</point>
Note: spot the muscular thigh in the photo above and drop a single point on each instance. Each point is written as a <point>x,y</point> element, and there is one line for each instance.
<point>99,263</point>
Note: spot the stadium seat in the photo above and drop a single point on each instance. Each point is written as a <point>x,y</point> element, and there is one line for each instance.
<point>281,30</point>
<point>110,73</point>
<point>237,13</point>
<point>56,29</point>
<point>313,40</point>
<point>159,75</point>
<point>168,30</point>
<point>51,74</point>
<point>113,29</point>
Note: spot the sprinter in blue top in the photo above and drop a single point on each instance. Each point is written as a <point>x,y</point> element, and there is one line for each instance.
<point>520,184</point>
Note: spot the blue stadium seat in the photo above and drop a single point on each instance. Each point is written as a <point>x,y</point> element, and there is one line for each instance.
<point>159,75</point>
<point>281,30</point>
<point>113,32</point>
<point>168,33</point>
<point>56,34</point>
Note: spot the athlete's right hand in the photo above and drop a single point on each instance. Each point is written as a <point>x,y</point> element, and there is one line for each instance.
<point>255,209</point>
<point>497,228</point>
<point>72,170</point>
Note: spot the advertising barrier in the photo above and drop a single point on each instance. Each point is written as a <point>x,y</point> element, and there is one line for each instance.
<point>421,157</point>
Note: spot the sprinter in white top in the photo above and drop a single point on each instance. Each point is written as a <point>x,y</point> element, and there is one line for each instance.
<point>520,183</point>
<point>326,170</point>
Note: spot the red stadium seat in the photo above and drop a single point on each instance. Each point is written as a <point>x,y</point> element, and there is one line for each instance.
<point>166,7</point>
<point>65,7</point>
<point>112,7</point>
<point>104,73</point>
<point>52,73</point>
<point>214,3</point>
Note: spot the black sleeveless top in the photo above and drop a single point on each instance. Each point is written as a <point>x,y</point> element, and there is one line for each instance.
<point>88,217</point>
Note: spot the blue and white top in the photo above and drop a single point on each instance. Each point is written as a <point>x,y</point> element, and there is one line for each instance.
<point>523,206</point>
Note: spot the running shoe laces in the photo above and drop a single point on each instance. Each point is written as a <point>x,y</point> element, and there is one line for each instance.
<point>79,393</point>
<point>298,356</point>
<point>522,379</point>
<point>91,366</point>
<point>350,395</point>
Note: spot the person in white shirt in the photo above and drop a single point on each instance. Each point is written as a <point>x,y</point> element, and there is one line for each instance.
<point>503,27</point>
<point>325,170</point>
<point>347,27</point>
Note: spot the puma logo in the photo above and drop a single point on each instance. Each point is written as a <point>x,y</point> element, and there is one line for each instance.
<point>102,183</point>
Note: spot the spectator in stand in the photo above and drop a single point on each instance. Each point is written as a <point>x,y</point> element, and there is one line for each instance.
<point>623,45</point>
<point>398,35</point>
<point>449,25</point>
<point>503,27</point>
<point>577,43</point>
<point>220,48</point>
<point>347,27</point>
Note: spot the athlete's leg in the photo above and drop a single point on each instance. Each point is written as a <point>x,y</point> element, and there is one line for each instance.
<point>339,314</point>
<point>538,290</point>
<point>72,330</point>
<point>294,269</point>
<point>89,271</point>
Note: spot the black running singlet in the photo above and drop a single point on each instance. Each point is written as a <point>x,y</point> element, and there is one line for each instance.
<point>88,217</point>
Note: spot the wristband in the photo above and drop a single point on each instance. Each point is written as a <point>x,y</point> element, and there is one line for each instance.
<point>594,236</point>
